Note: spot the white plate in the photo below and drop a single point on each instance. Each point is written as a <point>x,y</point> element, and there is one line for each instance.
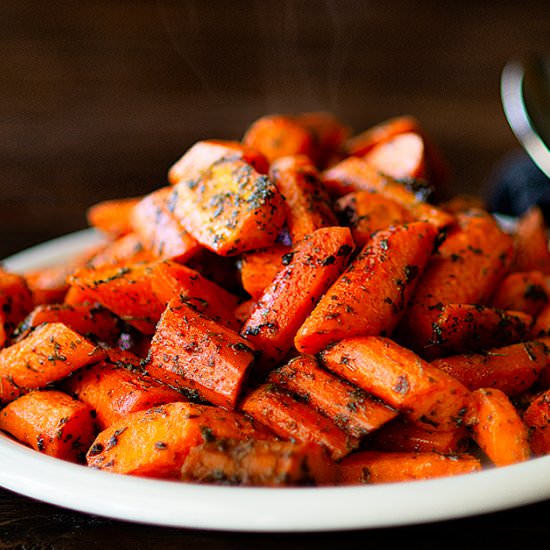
<point>176,504</point>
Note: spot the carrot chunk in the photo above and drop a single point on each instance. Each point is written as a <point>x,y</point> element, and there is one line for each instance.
<point>542,323</point>
<point>537,420</point>
<point>15,303</point>
<point>155,442</point>
<point>532,243</point>
<point>125,250</point>
<point>50,422</point>
<point>370,297</point>
<point>527,292</point>
<point>112,216</point>
<point>195,354</point>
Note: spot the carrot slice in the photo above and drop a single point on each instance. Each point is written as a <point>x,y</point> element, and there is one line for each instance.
<point>370,297</point>
<point>400,378</point>
<point>50,422</point>
<point>527,291</point>
<point>531,241</point>
<point>195,354</point>
<point>537,420</point>
<point>48,354</point>
<point>310,269</point>
<point>112,216</point>
<point>15,303</point>
<point>154,443</point>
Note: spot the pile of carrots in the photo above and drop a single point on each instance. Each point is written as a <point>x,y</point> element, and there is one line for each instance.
<point>292,309</point>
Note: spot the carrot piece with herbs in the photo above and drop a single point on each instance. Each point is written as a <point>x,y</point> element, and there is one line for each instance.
<point>537,420</point>
<point>155,442</point>
<point>388,467</point>
<point>260,463</point>
<point>306,199</point>
<point>173,280</point>
<point>511,369</point>
<point>349,407</point>
<point>125,290</point>
<point>370,297</point>
<point>277,136</point>
<point>400,378</point>
<point>367,212</point>
<point>497,428</point>
<point>158,229</point>
<point>201,156</point>
<point>124,250</point>
<point>310,269</point>
<point>15,303</point>
<point>50,422</point>
<point>230,209</point>
<point>527,291</point>
<point>292,419</point>
<point>112,216</point>
<point>193,353</point>
<point>49,353</point>
<point>531,241</point>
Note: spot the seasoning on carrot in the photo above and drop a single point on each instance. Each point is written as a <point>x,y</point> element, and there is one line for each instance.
<point>523,291</point>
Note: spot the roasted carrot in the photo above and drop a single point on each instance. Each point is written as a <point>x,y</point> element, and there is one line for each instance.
<point>462,203</point>
<point>349,407</point>
<point>277,136</point>
<point>497,427</point>
<point>50,422</point>
<point>158,229</point>
<point>542,323</point>
<point>383,467</point>
<point>532,243</point>
<point>292,419</point>
<point>309,270</point>
<point>48,285</point>
<point>124,250</point>
<point>400,378</point>
<point>258,463</point>
<point>154,443</point>
<point>527,291</point>
<point>200,157</point>
<point>511,369</point>
<point>243,311</point>
<point>370,297</point>
<point>230,209</point>
<point>306,199</point>
<point>112,216</point>
<point>15,303</point>
<point>49,353</point>
<point>537,420</point>
<point>367,212</point>
<point>172,280</point>
<point>195,354</point>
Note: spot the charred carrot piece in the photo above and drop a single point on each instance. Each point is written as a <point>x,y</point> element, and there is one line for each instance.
<point>230,209</point>
<point>49,353</point>
<point>173,280</point>
<point>310,269</point>
<point>511,369</point>
<point>124,250</point>
<point>349,407</point>
<point>123,289</point>
<point>532,243</point>
<point>15,303</point>
<point>383,467</point>
<point>527,292</point>
<point>292,419</point>
<point>112,216</point>
<point>259,267</point>
<point>403,436</point>
<point>306,199</point>
<point>537,420</point>
<point>497,427</point>
<point>154,443</point>
<point>400,378</point>
<point>370,297</point>
<point>259,463</point>
<point>50,422</point>
<point>159,230</point>
<point>277,136</point>
<point>365,213</point>
<point>195,354</point>
<point>199,158</point>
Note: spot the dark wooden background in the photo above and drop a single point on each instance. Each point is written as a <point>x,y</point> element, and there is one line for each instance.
<point>98,98</point>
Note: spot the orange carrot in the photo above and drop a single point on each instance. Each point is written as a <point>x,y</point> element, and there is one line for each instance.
<point>309,270</point>
<point>400,378</point>
<point>243,311</point>
<point>126,249</point>
<point>532,243</point>
<point>195,354</point>
<point>527,291</point>
<point>154,443</point>
<point>159,230</point>
<point>306,199</point>
<point>292,419</point>
<point>15,303</point>
<point>50,422</point>
<point>462,203</point>
<point>542,323</point>
<point>350,408</point>
<point>537,420</point>
<point>230,209</point>
<point>367,212</point>
<point>497,427</point>
<point>511,369</point>
<point>49,353</point>
<point>370,297</point>
<point>48,285</point>
<point>112,216</point>
<point>259,463</point>
<point>204,154</point>
<point>382,467</point>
